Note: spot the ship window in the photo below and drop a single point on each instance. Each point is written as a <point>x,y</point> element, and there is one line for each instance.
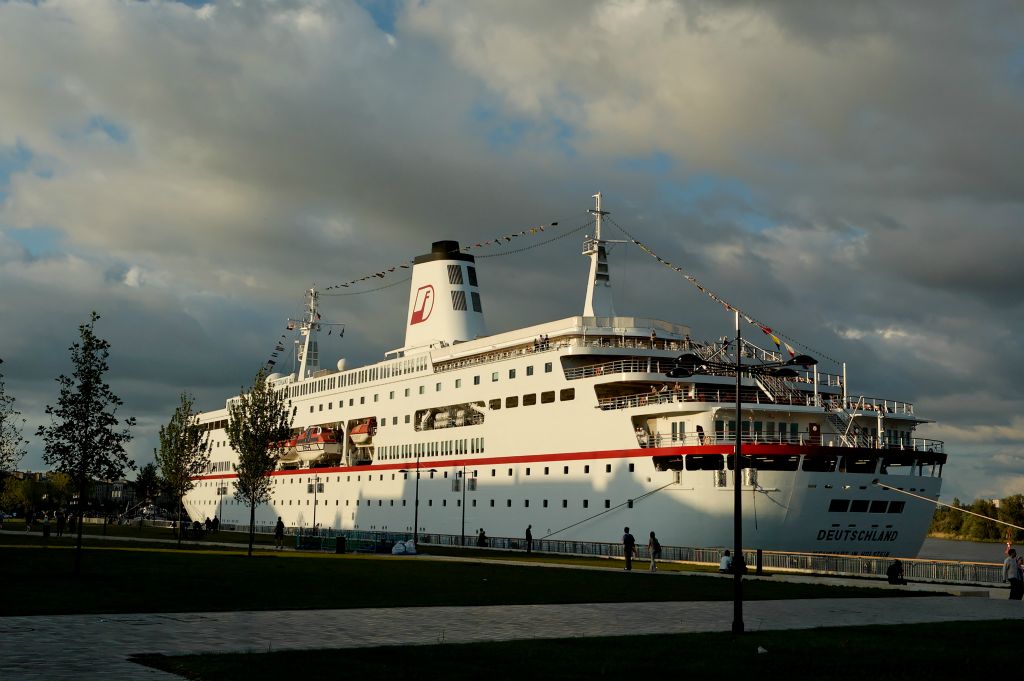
<point>474,503</point>
<point>492,503</point>
<point>422,389</point>
<point>508,503</point>
<point>471,272</point>
<point>311,409</point>
<point>709,462</point>
<point>546,470</point>
<point>493,473</point>
<point>495,403</point>
<point>494,377</point>
<point>458,300</point>
<point>530,400</point>
<point>437,387</point>
<point>632,467</point>
<point>330,405</point>
<point>586,469</point>
<point>430,502</point>
<point>545,504</point>
<point>607,468</point>
<point>510,472</point>
<point>511,402</point>
<point>547,367</point>
<point>859,506</point>
<point>475,298</point>
<point>547,397</point>
<point>526,503</point>
<point>458,382</point>
<point>392,502</point>
<point>529,370</point>
<point>454,274</point>
<point>896,506</point>
<point>565,470</point>
<point>403,502</point>
<point>878,506</point>
<point>406,394</point>
<point>394,420</point>
<point>376,397</point>
<point>391,395</point>
<point>565,503</point>
<point>362,399</point>
<point>838,505</point>
<point>607,503</point>
<point>567,394</point>
<point>407,418</point>
<point>820,464</point>
<point>527,470</point>
<point>511,373</point>
<point>476,380</point>
<point>586,503</point>
<point>629,503</point>
<point>321,407</point>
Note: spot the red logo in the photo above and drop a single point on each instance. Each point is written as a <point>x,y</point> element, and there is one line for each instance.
<point>423,304</point>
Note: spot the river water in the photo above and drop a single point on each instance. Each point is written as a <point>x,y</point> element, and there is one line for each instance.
<point>969,551</point>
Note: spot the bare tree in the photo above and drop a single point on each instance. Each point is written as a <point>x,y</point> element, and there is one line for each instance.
<point>12,444</point>
<point>259,422</point>
<point>184,452</point>
<point>83,438</point>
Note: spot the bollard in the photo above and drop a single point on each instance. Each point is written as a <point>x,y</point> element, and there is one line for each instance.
<point>760,562</point>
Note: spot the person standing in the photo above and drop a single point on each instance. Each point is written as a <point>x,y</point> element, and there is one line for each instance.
<point>628,547</point>
<point>529,539</point>
<point>654,551</point>
<point>279,533</point>
<point>1011,574</point>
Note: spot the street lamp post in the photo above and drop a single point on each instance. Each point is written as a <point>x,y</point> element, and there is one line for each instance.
<point>316,489</point>
<point>687,365</point>
<point>416,501</point>
<point>465,484</point>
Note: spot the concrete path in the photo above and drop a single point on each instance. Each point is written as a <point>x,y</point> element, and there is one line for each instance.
<point>98,646</point>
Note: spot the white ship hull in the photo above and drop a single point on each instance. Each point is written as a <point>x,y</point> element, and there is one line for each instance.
<point>573,427</point>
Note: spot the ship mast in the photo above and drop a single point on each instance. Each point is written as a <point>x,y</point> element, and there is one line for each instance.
<point>598,302</point>
<point>309,359</point>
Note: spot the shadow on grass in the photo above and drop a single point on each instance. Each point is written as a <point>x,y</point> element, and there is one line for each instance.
<point>855,653</point>
<point>120,579</point>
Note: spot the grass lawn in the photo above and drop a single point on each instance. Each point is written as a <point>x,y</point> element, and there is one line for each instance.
<point>923,651</point>
<point>145,532</point>
<point>123,578</point>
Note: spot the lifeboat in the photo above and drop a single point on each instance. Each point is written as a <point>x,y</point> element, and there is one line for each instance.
<point>287,453</point>
<point>316,442</point>
<point>362,433</point>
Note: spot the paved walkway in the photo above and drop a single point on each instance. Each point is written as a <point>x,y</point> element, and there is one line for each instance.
<point>98,646</point>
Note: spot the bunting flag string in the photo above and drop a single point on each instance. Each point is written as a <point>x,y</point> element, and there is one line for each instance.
<point>278,348</point>
<point>774,334</point>
<point>495,242</point>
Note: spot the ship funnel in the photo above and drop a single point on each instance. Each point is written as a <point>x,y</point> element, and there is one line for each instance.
<point>444,300</point>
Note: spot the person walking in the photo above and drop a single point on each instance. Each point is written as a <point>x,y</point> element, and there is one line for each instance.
<point>1012,574</point>
<point>279,534</point>
<point>654,551</point>
<point>628,547</point>
<point>529,539</point>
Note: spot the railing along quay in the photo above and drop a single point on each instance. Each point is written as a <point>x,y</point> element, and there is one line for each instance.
<point>871,567</point>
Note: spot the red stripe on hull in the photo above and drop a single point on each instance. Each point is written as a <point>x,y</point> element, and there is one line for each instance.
<point>751,449</point>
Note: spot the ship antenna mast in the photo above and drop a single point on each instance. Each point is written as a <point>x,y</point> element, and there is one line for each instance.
<point>598,302</point>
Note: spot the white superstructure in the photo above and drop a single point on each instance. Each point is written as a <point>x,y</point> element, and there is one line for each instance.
<point>572,426</point>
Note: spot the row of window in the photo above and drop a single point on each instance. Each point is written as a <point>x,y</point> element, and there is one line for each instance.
<point>472,445</point>
<point>356,376</point>
<point>421,390</point>
<point>545,503</point>
<point>546,397</point>
<point>865,506</point>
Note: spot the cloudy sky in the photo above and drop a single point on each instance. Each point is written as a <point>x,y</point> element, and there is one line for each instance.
<point>850,173</point>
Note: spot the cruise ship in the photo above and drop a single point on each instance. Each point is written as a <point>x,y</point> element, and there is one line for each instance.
<point>579,427</point>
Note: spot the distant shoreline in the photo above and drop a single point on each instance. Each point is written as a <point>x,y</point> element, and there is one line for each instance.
<point>957,537</point>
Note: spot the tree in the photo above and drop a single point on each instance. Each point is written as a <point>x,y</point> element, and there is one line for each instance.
<point>23,494</point>
<point>59,488</point>
<point>12,444</point>
<point>184,452</point>
<point>259,423</point>
<point>147,483</point>
<point>83,438</point>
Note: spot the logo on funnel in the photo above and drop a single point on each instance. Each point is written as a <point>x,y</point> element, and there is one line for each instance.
<point>423,304</point>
